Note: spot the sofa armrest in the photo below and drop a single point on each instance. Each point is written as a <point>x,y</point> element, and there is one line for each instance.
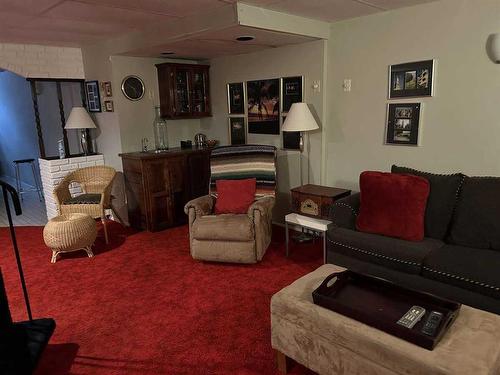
<point>202,205</point>
<point>263,205</point>
<point>343,212</point>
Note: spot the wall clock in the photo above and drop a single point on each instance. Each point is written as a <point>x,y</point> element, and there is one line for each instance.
<point>133,87</point>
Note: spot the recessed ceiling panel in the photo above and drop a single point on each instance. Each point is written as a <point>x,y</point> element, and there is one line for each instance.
<point>177,8</point>
<point>73,10</point>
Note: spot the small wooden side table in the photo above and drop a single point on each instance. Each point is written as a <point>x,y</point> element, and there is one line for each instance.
<point>315,200</point>
<point>311,205</point>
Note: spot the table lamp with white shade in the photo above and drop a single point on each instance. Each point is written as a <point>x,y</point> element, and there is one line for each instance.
<point>300,119</point>
<point>79,118</point>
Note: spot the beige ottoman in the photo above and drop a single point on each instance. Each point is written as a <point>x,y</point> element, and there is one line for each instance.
<point>70,232</point>
<point>330,343</point>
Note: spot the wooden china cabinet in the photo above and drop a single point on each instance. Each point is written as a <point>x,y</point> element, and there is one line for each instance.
<point>184,90</point>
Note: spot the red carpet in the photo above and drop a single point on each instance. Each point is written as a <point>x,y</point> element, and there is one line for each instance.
<point>142,305</point>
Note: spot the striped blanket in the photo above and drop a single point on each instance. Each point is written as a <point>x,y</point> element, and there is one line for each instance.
<point>245,161</point>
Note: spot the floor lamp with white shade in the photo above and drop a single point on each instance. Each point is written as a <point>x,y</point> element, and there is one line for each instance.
<point>300,119</point>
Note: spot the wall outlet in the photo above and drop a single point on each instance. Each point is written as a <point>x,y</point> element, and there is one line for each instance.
<point>347,85</point>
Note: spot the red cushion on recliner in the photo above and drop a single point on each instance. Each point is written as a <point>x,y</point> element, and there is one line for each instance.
<point>393,205</point>
<point>234,196</point>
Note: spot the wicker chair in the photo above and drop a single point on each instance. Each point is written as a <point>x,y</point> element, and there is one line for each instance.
<point>96,185</point>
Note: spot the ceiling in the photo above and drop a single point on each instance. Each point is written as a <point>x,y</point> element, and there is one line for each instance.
<point>83,22</point>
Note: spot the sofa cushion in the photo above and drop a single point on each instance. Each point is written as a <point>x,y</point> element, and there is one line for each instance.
<point>469,268</point>
<point>392,205</point>
<point>223,228</point>
<point>476,222</point>
<point>234,196</point>
<point>441,202</point>
<point>401,255</point>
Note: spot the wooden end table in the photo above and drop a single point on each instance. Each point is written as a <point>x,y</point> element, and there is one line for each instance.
<point>311,205</point>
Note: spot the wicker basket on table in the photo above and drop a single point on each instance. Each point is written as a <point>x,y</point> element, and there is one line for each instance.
<point>70,232</point>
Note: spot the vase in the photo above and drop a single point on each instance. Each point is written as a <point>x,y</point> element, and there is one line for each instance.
<point>160,131</point>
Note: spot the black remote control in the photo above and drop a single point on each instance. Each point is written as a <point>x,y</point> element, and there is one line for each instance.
<point>432,323</point>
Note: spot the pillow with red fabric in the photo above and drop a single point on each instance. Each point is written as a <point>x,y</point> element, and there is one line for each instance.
<point>393,205</point>
<point>234,196</point>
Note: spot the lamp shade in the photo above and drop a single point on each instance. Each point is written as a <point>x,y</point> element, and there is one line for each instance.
<point>79,118</point>
<point>299,119</point>
<point>495,48</point>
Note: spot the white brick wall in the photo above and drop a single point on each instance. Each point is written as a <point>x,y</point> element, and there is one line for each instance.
<point>36,61</point>
<point>53,171</point>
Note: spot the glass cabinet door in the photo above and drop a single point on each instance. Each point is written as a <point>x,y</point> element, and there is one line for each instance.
<point>199,92</point>
<point>182,92</point>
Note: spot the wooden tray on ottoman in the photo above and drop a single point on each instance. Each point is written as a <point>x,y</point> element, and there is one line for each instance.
<point>380,304</point>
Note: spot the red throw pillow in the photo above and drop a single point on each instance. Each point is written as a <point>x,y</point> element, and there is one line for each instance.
<point>234,196</point>
<point>393,205</point>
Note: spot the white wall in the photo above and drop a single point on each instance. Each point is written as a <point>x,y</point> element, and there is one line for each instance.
<point>36,61</point>
<point>460,126</point>
<point>136,117</point>
<point>296,60</point>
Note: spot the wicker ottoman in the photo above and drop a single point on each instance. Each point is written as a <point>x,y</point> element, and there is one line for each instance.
<point>70,232</point>
<point>330,343</point>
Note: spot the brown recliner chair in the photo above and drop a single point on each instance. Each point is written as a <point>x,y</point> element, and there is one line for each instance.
<point>241,238</point>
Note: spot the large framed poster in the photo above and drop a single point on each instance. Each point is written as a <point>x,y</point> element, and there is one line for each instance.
<point>263,106</point>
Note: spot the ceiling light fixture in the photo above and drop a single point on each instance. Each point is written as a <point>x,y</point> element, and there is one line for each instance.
<point>245,38</point>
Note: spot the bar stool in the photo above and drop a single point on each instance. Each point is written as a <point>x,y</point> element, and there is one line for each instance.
<point>19,186</point>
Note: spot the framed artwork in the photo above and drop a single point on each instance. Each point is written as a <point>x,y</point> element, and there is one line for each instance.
<point>235,98</point>
<point>415,79</point>
<point>263,100</point>
<point>403,123</point>
<point>292,91</point>
<point>237,131</point>
<point>93,97</point>
<point>291,140</point>
<point>108,105</point>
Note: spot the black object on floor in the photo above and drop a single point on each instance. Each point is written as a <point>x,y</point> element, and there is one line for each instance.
<point>21,343</point>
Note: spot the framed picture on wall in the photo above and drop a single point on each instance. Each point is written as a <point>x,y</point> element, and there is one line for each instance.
<point>291,140</point>
<point>108,91</point>
<point>93,97</point>
<point>263,101</point>
<point>415,79</point>
<point>237,131</point>
<point>235,98</point>
<point>403,123</point>
<point>292,91</point>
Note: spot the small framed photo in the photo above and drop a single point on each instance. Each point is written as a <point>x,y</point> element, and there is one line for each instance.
<point>415,79</point>
<point>236,98</point>
<point>237,131</point>
<point>403,123</point>
<point>108,105</point>
<point>107,89</point>
<point>292,91</point>
<point>93,97</point>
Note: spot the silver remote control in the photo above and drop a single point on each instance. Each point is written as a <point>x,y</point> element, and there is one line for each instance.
<point>412,317</point>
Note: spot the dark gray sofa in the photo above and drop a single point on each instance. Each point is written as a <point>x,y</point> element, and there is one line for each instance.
<point>459,258</point>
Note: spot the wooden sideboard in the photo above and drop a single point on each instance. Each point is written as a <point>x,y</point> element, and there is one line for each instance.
<point>158,185</point>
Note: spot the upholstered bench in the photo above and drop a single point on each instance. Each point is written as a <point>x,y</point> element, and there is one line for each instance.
<point>330,343</point>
